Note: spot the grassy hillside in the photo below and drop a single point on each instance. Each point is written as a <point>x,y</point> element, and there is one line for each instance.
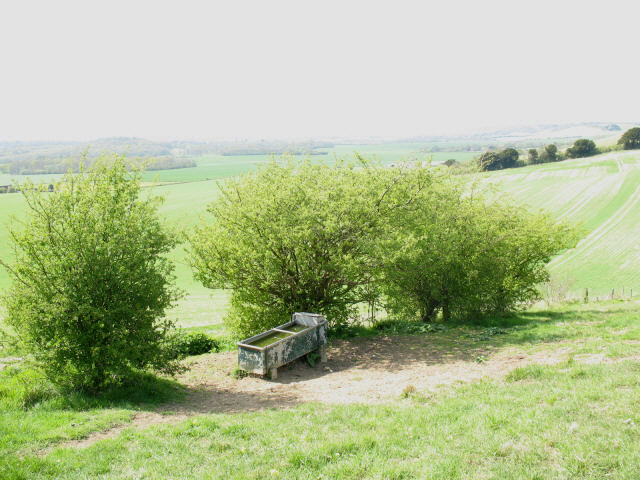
<point>558,399</point>
<point>184,203</point>
<point>602,195</point>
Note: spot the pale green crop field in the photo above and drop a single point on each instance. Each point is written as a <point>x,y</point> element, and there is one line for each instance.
<point>600,194</point>
<point>183,205</point>
<point>220,166</point>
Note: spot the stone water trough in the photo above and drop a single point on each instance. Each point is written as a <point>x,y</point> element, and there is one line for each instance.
<point>265,352</point>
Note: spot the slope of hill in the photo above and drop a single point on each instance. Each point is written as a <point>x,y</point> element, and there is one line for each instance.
<point>602,195</point>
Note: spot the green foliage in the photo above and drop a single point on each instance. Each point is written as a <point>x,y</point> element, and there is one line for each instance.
<point>507,158</point>
<point>582,148</point>
<point>312,358</point>
<point>630,139</point>
<point>181,344</point>
<point>91,283</point>
<point>24,387</point>
<point>533,156</point>
<point>300,237</point>
<point>464,256</point>
<point>305,237</point>
<point>489,161</point>
<point>548,154</point>
<point>239,373</point>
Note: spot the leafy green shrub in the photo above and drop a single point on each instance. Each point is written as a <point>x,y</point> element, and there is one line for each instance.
<point>463,255</point>
<point>181,344</point>
<point>91,281</point>
<point>311,237</point>
<point>299,237</point>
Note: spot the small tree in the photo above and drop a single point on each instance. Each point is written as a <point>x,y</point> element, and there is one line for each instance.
<point>90,281</point>
<point>300,237</point>
<point>549,154</point>
<point>509,157</point>
<point>582,148</point>
<point>489,161</point>
<point>464,256</point>
<point>630,140</point>
<point>451,162</point>
<point>533,156</point>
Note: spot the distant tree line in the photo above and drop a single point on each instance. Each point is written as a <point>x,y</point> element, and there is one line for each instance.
<point>510,157</point>
<point>138,147</point>
<point>272,150</point>
<point>47,165</point>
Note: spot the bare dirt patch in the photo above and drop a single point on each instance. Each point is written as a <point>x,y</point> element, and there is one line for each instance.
<point>366,371</point>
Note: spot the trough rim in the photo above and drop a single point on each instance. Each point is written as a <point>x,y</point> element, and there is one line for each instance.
<point>282,327</point>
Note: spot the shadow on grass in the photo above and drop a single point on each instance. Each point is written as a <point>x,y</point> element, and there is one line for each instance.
<point>141,391</point>
<point>484,334</point>
<point>390,347</point>
<point>26,387</point>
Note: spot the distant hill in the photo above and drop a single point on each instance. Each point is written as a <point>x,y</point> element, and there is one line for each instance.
<point>29,158</point>
<point>601,194</point>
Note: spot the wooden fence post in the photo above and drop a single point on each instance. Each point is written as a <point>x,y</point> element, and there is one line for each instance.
<point>586,295</point>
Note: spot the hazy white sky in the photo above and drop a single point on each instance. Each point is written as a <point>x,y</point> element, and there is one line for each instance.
<point>254,69</point>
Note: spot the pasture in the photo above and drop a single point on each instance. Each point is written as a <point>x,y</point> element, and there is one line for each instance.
<point>554,394</point>
<point>541,394</point>
<point>601,195</point>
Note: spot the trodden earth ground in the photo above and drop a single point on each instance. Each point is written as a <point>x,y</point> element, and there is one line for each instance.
<point>541,394</point>
<point>385,368</point>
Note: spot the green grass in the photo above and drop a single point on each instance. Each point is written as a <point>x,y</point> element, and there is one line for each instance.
<point>562,421</point>
<point>186,201</point>
<point>33,415</point>
<point>600,194</point>
<point>519,430</point>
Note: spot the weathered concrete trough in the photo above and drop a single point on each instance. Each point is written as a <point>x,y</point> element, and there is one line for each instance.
<point>265,352</point>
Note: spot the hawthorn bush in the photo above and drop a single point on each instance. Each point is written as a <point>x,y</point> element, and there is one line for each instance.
<point>91,281</point>
<point>300,237</point>
<point>327,239</point>
<point>463,254</point>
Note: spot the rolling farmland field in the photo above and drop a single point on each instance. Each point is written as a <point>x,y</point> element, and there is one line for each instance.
<point>601,194</point>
